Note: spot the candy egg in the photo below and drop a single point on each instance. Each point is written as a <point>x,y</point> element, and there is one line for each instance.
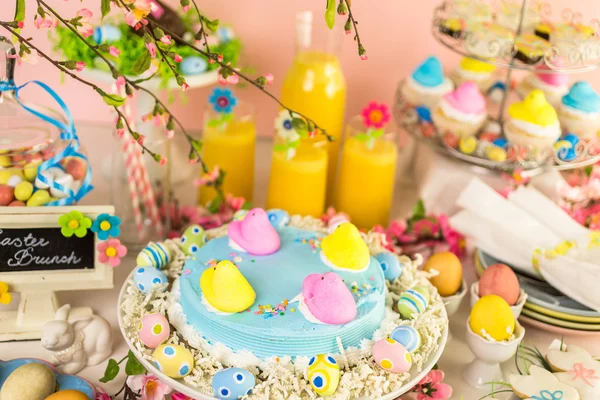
<point>500,142</point>
<point>496,153</point>
<point>155,255</point>
<point>77,168</point>
<point>50,174</point>
<point>35,158</point>
<point>16,203</point>
<point>449,270</point>
<point>68,395</point>
<point>154,329</point>
<point>488,137</point>
<point>500,280</point>
<point>573,139</point>
<point>424,114</point>
<point>413,301</point>
<point>7,173</point>
<point>193,65</point>
<point>451,139</point>
<point>67,181</point>
<point>233,383</point>
<point>391,356</point>
<point>23,191</point>
<point>30,170</point>
<point>39,198</point>
<point>467,144</point>
<point>392,269</point>
<point>14,180</point>
<point>147,279</point>
<point>278,218</point>
<point>492,318</point>
<point>5,161</point>
<point>193,238</point>
<point>323,374</point>
<point>408,337</point>
<point>6,195</point>
<point>173,360</point>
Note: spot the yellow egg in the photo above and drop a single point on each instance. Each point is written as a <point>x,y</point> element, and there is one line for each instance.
<point>6,173</point>
<point>450,272</point>
<point>496,153</point>
<point>467,144</point>
<point>31,170</point>
<point>39,198</point>
<point>23,191</point>
<point>173,360</point>
<point>5,161</point>
<point>68,395</point>
<point>323,374</point>
<point>492,317</point>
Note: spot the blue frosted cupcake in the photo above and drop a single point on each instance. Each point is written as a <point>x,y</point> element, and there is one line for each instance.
<point>579,111</point>
<point>427,84</point>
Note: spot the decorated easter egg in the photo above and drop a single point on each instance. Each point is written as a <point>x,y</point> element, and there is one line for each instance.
<point>173,360</point>
<point>239,215</point>
<point>408,337</point>
<point>147,278</point>
<point>193,65</point>
<point>392,269</point>
<point>323,374</point>
<point>154,329</point>
<point>32,381</point>
<point>500,280</point>
<point>155,255</point>
<point>413,301</point>
<point>492,318</point>
<point>232,383</point>
<point>68,395</point>
<point>448,266</point>
<point>391,356</point>
<point>192,239</point>
<point>278,218</point>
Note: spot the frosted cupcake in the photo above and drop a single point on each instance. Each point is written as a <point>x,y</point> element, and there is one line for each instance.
<point>532,122</point>
<point>579,111</point>
<point>462,112</point>
<point>427,84</point>
<point>478,72</point>
<point>554,85</point>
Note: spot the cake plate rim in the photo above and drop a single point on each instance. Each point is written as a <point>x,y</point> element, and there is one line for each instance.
<point>190,391</point>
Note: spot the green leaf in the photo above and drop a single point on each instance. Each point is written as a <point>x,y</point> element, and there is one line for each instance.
<point>418,211</point>
<point>330,13</point>
<point>362,137</point>
<point>20,11</point>
<point>215,205</point>
<point>113,99</point>
<point>213,123</point>
<point>212,25</point>
<point>300,126</point>
<point>247,206</point>
<point>111,372</point>
<point>377,133</point>
<point>227,117</point>
<point>279,147</point>
<point>133,366</point>
<point>142,64</point>
<point>105,7</point>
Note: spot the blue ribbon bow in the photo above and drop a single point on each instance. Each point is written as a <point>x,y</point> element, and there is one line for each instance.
<point>67,132</point>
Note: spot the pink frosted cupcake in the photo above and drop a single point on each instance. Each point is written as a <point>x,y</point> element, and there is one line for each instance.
<point>462,111</point>
<point>553,85</point>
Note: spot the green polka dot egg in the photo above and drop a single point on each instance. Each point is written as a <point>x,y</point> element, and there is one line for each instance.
<point>193,238</point>
<point>173,360</point>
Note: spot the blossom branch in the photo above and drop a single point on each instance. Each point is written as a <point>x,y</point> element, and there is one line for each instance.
<point>351,20</point>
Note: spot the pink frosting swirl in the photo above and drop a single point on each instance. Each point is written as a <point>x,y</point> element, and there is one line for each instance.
<point>467,98</point>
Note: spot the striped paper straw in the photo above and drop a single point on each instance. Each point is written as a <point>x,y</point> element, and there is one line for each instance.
<point>135,199</point>
<point>148,192</point>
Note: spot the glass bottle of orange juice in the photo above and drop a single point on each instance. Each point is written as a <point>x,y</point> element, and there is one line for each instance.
<point>315,84</point>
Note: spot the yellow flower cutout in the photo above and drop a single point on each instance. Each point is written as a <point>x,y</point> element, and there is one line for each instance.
<point>594,240</point>
<point>5,297</point>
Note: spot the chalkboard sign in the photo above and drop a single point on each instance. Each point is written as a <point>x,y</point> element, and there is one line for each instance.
<point>44,249</point>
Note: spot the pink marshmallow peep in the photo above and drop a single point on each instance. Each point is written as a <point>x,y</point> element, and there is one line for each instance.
<point>553,79</point>
<point>255,234</point>
<point>328,299</point>
<point>467,98</point>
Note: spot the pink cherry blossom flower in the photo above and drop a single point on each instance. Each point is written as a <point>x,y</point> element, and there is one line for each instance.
<point>32,58</point>
<point>236,203</point>
<point>111,251</point>
<point>398,227</point>
<point>431,387</point>
<point>177,58</point>
<point>151,387</point>
<point>185,8</point>
<point>47,21</point>
<point>20,24</point>
<point>270,78</point>
<point>348,32</point>
<point>120,82</point>
<point>209,177</point>
<point>113,51</point>
<point>185,87</point>
<point>426,227</point>
<point>170,134</point>
<point>163,161</point>
<point>179,396</point>
<point>165,39</point>
<point>86,29</point>
<point>101,394</point>
<point>364,57</point>
<point>151,48</point>
<point>79,66</point>
<point>120,132</point>
<point>141,139</point>
<point>138,13</point>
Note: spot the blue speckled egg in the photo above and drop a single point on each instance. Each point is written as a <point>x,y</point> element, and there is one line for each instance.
<point>392,269</point>
<point>107,34</point>
<point>323,374</point>
<point>193,65</point>
<point>408,337</point>
<point>155,255</point>
<point>146,278</point>
<point>193,238</point>
<point>232,383</point>
<point>278,218</point>
<point>173,360</point>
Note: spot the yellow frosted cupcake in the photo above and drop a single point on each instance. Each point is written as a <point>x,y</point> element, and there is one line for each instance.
<point>532,122</point>
<point>478,72</point>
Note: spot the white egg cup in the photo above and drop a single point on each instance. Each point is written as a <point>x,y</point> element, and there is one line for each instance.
<point>516,309</point>
<point>485,368</point>
<point>452,303</point>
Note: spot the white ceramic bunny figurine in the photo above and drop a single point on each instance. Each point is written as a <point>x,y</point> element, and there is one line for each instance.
<point>79,344</point>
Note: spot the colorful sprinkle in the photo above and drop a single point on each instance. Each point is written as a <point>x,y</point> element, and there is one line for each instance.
<point>187,271</point>
<point>237,259</point>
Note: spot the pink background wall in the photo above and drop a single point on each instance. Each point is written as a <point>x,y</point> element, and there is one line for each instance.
<point>396,34</point>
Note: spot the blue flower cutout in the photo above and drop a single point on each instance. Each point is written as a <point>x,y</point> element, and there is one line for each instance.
<point>106,225</point>
<point>222,100</point>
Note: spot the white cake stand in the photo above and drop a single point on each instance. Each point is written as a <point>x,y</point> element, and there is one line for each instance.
<point>181,386</point>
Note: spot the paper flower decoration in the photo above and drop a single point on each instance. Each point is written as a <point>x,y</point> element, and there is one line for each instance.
<point>284,128</point>
<point>376,115</point>
<point>150,386</point>
<point>431,387</point>
<point>74,223</point>
<point>223,100</point>
<point>5,297</point>
<point>111,252</point>
<point>106,225</point>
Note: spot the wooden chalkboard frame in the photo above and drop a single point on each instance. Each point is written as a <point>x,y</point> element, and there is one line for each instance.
<point>100,276</point>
